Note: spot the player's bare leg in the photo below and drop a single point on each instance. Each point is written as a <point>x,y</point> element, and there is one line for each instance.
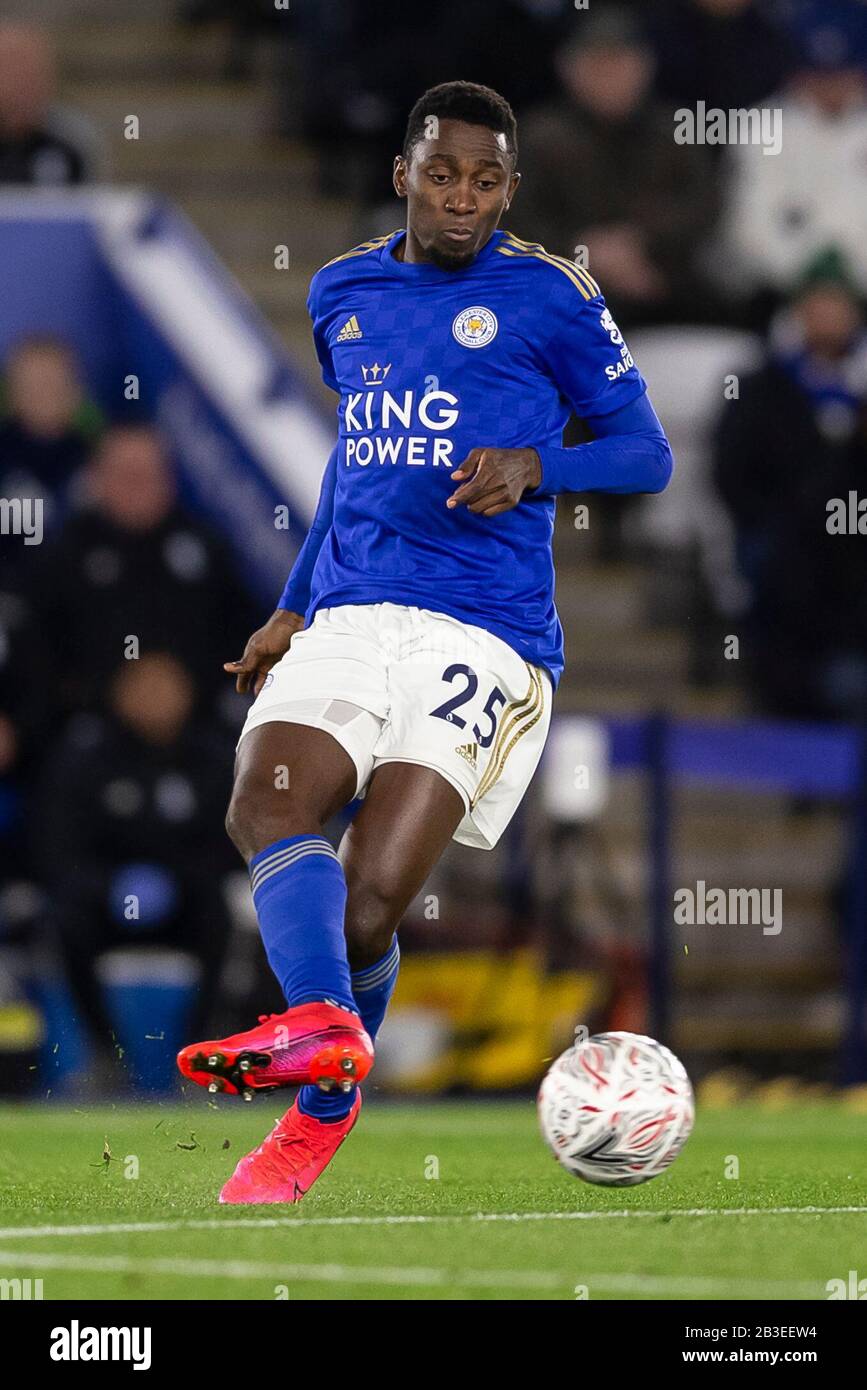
<point>408,817</point>
<point>290,779</point>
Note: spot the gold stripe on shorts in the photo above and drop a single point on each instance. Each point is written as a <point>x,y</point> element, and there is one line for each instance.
<point>518,718</point>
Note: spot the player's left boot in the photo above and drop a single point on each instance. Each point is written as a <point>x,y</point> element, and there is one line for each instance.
<point>317,1042</point>
<point>289,1161</point>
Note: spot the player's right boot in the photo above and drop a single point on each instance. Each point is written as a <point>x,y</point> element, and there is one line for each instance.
<point>286,1163</point>
<point>316,1042</point>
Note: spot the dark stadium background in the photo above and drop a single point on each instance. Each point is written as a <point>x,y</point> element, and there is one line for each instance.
<point>160,394</point>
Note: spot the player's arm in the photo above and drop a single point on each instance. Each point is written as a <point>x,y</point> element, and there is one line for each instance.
<point>629,454</point>
<point>296,594</point>
<point>266,646</point>
<point>590,363</point>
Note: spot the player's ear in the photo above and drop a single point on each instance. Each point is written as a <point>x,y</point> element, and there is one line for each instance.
<point>399,175</point>
<point>513,188</point>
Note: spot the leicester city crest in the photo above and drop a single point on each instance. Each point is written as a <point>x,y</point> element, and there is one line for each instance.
<point>475,327</point>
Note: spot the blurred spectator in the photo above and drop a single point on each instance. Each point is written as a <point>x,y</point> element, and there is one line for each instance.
<point>43,444</point>
<point>361,69</point>
<point>364,65</point>
<point>24,688</point>
<point>130,839</point>
<point>811,611</point>
<point>519,63</point>
<point>134,566</point>
<point>785,208</point>
<point>41,450</point>
<point>727,53</point>
<point>820,26</point>
<point>246,21</point>
<point>24,699</point>
<point>14,690</point>
<point>40,142</point>
<point>602,171</point>
<point>778,448</point>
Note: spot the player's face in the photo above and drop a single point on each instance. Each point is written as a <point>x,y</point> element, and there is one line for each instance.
<point>457,186</point>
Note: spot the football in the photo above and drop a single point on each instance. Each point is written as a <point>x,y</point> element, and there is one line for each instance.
<point>616,1109</point>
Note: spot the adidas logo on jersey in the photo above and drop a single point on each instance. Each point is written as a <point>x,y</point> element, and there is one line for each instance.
<point>349,331</point>
<point>469,752</point>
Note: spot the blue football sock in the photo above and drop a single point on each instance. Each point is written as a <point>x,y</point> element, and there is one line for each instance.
<point>299,890</point>
<point>372,988</point>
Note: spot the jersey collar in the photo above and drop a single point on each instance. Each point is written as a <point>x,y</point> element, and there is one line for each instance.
<point>432,274</point>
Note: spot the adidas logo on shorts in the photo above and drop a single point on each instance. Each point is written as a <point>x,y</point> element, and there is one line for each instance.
<point>469,752</point>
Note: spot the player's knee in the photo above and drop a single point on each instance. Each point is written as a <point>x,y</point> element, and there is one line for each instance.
<point>258,816</point>
<point>373,911</point>
<point>241,821</point>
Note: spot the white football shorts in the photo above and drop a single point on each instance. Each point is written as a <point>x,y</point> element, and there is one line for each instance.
<point>399,684</point>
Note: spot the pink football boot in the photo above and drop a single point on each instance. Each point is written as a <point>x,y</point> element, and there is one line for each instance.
<point>289,1161</point>
<point>317,1042</point>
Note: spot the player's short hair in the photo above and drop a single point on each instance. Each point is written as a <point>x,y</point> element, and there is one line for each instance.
<point>462,101</point>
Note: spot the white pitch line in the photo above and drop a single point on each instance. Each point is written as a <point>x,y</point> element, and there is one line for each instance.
<point>305,1273</point>
<point>270,1222</point>
<point>415,1276</point>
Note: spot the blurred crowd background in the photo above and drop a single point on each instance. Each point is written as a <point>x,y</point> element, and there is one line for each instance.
<point>739,277</point>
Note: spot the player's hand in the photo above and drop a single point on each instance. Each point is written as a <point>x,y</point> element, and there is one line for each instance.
<point>263,650</point>
<point>497,479</point>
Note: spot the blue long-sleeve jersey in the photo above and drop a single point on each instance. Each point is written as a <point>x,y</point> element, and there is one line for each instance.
<point>430,363</point>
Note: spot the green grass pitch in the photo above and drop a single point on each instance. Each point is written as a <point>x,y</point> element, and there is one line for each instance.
<point>427,1201</point>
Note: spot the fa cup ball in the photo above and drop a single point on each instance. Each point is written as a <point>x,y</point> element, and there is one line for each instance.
<point>616,1109</point>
